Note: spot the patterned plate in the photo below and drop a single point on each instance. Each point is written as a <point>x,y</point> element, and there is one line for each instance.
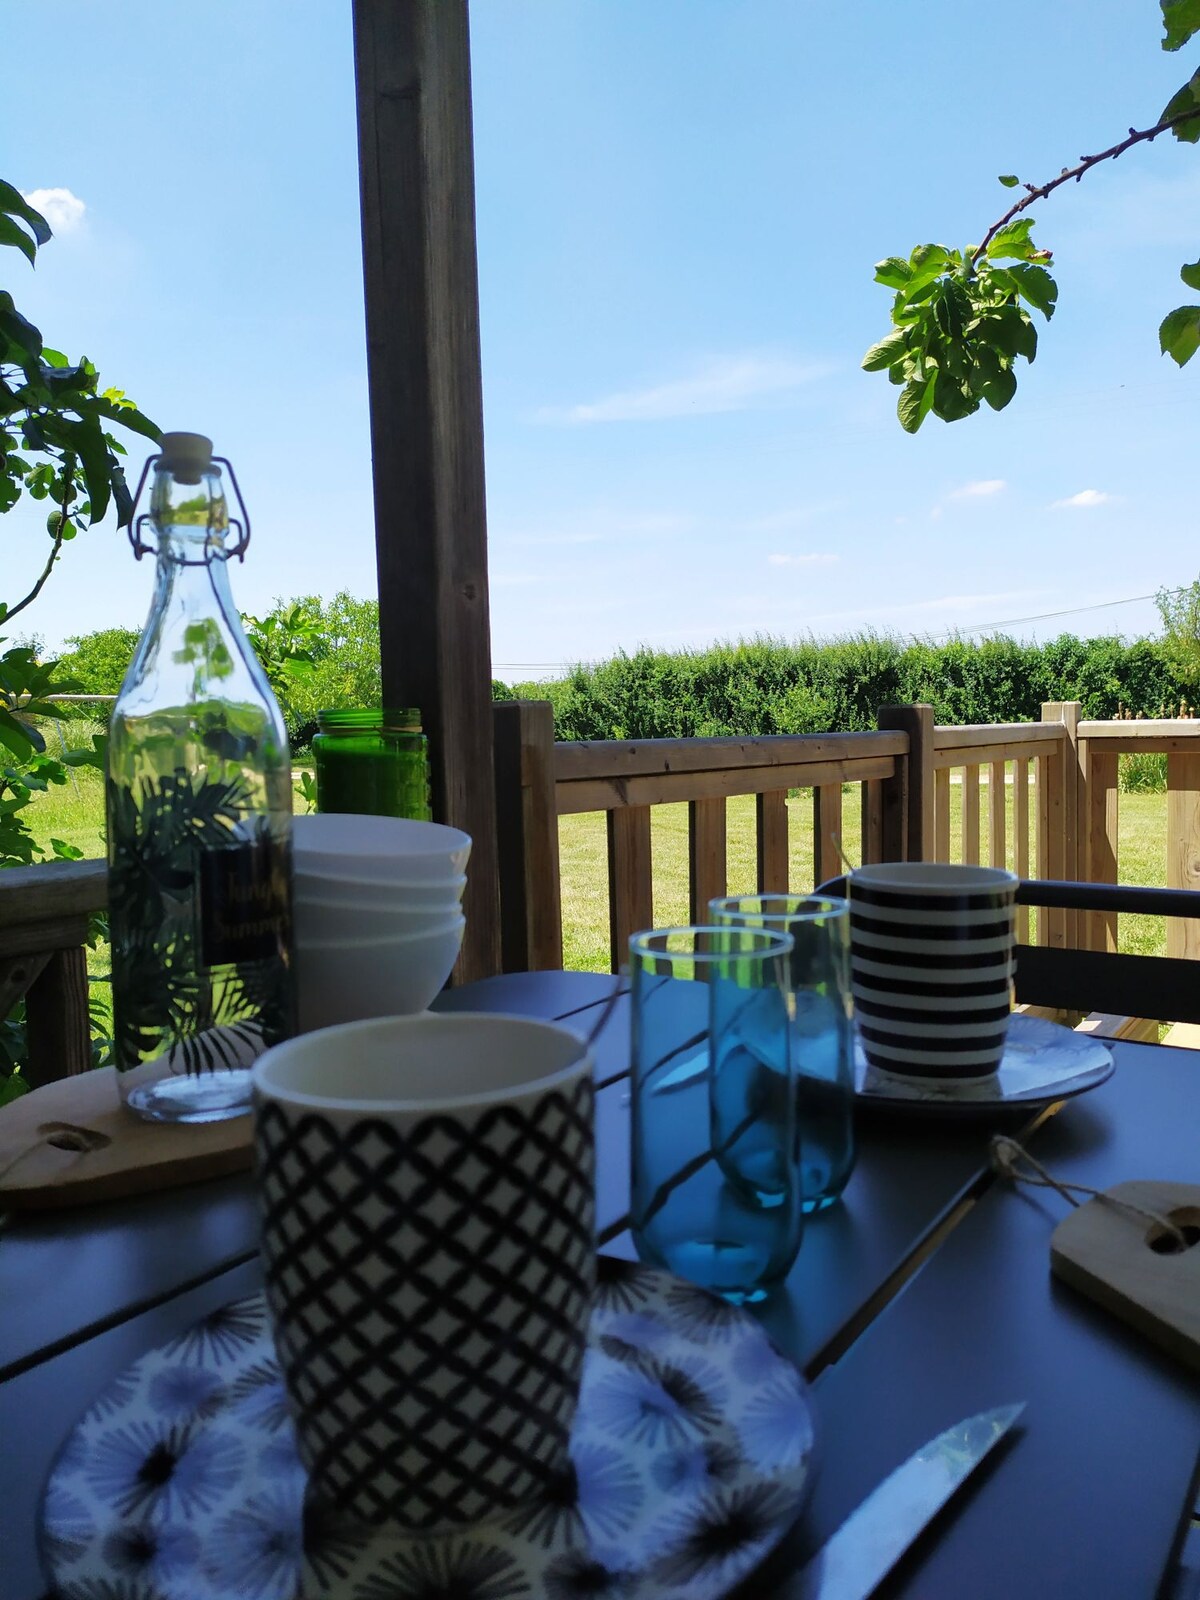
<point>691,1456</point>
<point>1042,1061</point>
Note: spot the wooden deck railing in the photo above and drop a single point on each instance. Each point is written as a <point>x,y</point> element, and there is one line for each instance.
<point>1062,823</point>
<point>539,781</point>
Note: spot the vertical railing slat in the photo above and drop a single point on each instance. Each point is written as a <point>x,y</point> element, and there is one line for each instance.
<point>970,815</point>
<point>1021,838</point>
<point>771,838</point>
<point>998,802</point>
<point>706,855</point>
<point>58,1030</point>
<point>872,821</point>
<point>941,814</point>
<point>630,892</point>
<point>1183,847</point>
<point>1101,845</point>
<point>827,832</point>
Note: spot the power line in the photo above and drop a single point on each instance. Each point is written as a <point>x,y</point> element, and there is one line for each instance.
<point>1044,616</point>
<point>947,633</point>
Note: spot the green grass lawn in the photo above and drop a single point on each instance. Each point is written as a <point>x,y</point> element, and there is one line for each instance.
<point>75,814</point>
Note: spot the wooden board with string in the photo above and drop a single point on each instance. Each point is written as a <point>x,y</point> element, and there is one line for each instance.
<point>73,1142</point>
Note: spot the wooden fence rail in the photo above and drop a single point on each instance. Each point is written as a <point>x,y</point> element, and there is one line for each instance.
<point>1062,773</point>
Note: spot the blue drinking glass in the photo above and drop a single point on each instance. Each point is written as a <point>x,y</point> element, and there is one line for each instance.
<point>821,1027</point>
<point>716,1188</point>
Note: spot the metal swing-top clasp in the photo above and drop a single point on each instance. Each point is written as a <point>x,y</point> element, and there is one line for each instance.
<point>213,549</point>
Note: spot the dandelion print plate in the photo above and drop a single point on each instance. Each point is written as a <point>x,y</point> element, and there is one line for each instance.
<point>691,1456</point>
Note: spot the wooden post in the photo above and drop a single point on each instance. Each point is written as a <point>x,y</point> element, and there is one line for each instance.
<point>1183,847</point>
<point>918,838</point>
<point>58,1029</point>
<point>422,312</point>
<point>771,836</point>
<point>527,836</point>
<point>630,879</point>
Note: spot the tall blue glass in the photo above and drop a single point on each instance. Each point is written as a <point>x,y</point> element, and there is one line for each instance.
<point>821,1027</point>
<point>716,1189</point>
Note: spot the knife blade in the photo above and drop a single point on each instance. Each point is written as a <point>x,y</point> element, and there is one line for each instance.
<point>852,1564</point>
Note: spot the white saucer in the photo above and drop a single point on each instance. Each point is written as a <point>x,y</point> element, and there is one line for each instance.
<point>1042,1061</point>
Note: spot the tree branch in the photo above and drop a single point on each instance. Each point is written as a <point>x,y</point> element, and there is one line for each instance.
<point>68,487</point>
<point>1040,191</point>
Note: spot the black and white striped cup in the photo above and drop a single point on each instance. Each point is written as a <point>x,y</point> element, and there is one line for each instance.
<point>932,966</point>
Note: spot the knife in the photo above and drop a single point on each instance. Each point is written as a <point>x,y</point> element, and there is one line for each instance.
<point>852,1564</point>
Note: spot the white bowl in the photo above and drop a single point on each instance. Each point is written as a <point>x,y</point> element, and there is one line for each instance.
<point>374,977</point>
<point>323,925</point>
<point>318,889</point>
<point>335,843</point>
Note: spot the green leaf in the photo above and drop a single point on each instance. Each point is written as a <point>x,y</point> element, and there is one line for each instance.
<point>1012,242</point>
<point>1185,100</point>
<point>1009,180</point>
<point>1179,334</point>
<point>1001,389</point>
<point>1037,286</point>
<point>886,352</point>
<point>1191,275</point>
<point>16,736</point>
<point>1181,19</point>
<point>14,204</point>
<point>913,405</point>
<point>893,273</point>
<point>10,233</point>
<point>22,332</point>
<point>952,309</point>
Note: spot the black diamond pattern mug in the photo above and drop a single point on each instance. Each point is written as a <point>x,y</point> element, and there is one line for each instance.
<point>427,1194</point>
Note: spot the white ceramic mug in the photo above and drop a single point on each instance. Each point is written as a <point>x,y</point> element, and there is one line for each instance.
<point>931,959</point>
<point>427,1191</point>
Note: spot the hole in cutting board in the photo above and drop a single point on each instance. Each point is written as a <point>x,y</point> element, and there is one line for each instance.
<point>1187,1220</point>
<point>66,1136</point>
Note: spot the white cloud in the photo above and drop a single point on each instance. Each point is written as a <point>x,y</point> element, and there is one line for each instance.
<point>978,489</point>
<point>817,559</point>
<point>61,209</point>
<point>596,527</point>
<point>1085,498</point>
<point>790,517</point>
<point>730,385</point>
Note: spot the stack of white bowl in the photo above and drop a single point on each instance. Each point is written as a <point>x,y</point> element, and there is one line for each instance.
<point>377,914</point>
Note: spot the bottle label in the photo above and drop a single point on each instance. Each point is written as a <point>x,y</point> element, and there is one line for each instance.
<point>244,904</point>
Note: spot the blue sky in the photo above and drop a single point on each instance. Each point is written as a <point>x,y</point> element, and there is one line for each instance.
<point>680,203</point>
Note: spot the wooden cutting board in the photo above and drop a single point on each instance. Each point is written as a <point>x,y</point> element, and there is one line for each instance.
<point>1124,1263</point>
<point>73,1142</point>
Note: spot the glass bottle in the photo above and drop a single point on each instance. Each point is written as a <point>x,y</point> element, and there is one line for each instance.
<point>372,761</point>
<point>199,806</point>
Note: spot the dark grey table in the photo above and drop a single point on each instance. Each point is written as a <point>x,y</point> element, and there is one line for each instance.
<point>923,1297</point>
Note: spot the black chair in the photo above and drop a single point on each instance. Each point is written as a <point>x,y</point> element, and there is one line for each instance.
<point>1166,988</point>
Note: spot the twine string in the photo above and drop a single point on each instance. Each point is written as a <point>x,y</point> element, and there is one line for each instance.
<point>1006,1156</point>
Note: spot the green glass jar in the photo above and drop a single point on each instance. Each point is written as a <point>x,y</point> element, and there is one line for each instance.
<point>372,761</point>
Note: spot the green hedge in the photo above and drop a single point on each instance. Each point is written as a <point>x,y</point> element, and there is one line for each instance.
<point>754,687</point>
<point>769,686</point>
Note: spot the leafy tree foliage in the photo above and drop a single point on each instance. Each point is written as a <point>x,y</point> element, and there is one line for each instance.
<point>56,445</point>
<point>961,318</point>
